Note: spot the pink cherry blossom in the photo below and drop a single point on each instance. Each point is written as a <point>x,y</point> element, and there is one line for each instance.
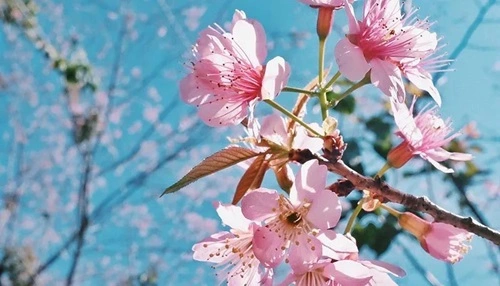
<point>324,272</point>
<point>274,129</point>
<point>336,4</point>
<point>293,222</point>
<point>446,242</point>
<point>274,133</point>
<point>233,249</point>
<point>227,74</point>
<point>423,135</point>
<point>442,241</point>
<point>381,43</point>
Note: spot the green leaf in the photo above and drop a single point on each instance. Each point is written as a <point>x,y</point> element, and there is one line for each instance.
<point>346,105</point>
<point>379,127</point>
<point>352,156</point>
<point>214,163</point>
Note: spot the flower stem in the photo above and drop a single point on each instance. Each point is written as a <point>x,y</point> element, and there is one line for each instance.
<point>353,216</point>
<point>298,90</point>
<point>365,80</point>
<point>292,116</point>
<point>322,93</point>
<point>390,210</point>
<point>332,81</point>
<point>382,170</point>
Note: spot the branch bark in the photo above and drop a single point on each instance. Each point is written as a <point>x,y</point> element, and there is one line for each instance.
<point>414,203</point>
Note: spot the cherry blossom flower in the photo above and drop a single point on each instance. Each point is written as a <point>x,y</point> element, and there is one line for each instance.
<point>275,134</point>
<point>325,272</point>
<point>382,43</point>
<point>233,249</point>
<point>227,74</point>
<point>423,135</point>
<point>442,241</point>
<point>293,222</point>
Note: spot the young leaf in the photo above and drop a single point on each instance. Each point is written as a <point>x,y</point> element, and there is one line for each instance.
<point>252,179</point>
<point>213,163</point>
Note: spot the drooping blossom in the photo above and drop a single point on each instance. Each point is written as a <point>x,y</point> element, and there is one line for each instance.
<point>233,250</point>
<point>382,43</point>
<point>293,223</point>
<point>228,75</point>
<point>442,241</point>
<point>423,135</point>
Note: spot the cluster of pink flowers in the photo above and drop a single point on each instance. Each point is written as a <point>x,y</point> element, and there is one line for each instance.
<point>228,76</point>
<point>270,228</point>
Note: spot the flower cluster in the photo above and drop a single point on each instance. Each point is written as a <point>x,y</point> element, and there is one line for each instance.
<point>270,228</point>
<point>229,75</point>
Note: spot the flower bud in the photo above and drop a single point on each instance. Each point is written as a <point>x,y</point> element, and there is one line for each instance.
<point>325,21</point>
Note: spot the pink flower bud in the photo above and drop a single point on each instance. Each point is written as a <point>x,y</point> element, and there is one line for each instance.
<point>442,241</point>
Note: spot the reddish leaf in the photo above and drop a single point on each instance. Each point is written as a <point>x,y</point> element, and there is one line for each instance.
<point>252,179</point>
<point>285,180</point>
<point>215,162</point>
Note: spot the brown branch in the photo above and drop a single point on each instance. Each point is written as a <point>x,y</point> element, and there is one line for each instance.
<point>422,204</point>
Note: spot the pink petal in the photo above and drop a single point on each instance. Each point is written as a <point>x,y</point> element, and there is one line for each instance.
<point>190,90</point>
<point>425,41</point>
<point>238,15</point>
<point>405,122</point>
<point>351,17</point>
<point>260,204</point>
<point>381,279</point>
<point>274,128</point>
<point>348,272</point>
<point>325,210</point>
<point>351,60</point>
<point>268,247</point>
<point>384,267</point>
<point>210,42</point>
<point>310,180</point>
<point>304,250</point>
<point>250,39</point>
<point>423,80</point>
<point>388,10</point>
<point>275,78</point>
<point>387,77</point>
<point>336,246</point>
<point>217,111</point>
<point>206,249</point>
<point>303,140</point>
<point>231,216</point>
<point>436,164</point>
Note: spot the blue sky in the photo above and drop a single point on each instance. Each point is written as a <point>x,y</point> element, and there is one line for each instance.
<point>156,47</point>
